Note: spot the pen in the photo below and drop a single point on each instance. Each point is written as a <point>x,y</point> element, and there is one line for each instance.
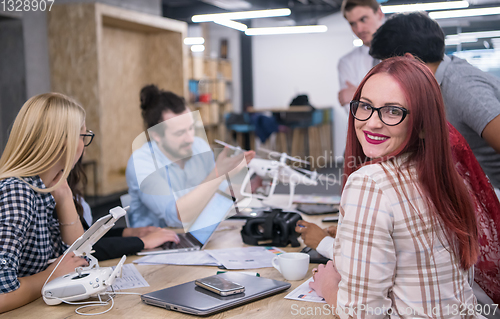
<point>256,274</point>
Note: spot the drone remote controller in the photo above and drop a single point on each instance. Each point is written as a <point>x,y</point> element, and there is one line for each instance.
<point>89,281</point>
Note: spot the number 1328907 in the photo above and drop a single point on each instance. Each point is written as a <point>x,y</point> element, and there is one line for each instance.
<point>26,5</point>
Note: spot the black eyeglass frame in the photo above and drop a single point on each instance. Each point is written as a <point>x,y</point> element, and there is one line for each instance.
<point>89,133</point>
<point>405,112</point>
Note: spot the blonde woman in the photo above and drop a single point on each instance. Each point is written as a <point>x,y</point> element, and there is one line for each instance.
<point>37,215</point>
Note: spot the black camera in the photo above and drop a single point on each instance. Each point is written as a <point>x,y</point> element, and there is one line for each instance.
<point>273,228</point>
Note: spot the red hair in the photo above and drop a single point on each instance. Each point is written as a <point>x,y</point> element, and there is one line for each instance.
<point>447,196</point>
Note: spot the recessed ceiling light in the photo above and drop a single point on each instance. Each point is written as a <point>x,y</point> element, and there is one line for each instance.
<point>456,41</point>
<point>475,35</point>
<point>464,13</point>
<point>198,48</point>
<point>357,42</point>
<point>425,6</point>
<point>287,30</point>
<point>242,15</point>
<point>194,40</point>
<point>232,24</point>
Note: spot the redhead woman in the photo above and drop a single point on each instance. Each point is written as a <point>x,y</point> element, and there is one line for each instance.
<point>38,218</point>
<point>407,236</point>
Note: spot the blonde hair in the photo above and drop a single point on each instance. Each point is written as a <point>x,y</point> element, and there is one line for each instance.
<point>46,129</point>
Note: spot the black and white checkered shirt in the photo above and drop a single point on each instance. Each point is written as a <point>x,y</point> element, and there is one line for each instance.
<point>29,231</point>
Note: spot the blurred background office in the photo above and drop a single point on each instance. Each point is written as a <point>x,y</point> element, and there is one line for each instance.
<point>103,52</point>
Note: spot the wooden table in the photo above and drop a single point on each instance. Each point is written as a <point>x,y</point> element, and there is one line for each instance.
<point>163,276</point>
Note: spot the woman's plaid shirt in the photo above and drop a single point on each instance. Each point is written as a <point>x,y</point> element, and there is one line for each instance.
<point>390,256</point>
<point>29,231</point>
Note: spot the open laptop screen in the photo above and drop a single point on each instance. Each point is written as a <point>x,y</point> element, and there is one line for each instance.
<point>211,216</point>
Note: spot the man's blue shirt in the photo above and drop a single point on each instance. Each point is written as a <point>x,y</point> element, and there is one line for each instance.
<point>155,182</point>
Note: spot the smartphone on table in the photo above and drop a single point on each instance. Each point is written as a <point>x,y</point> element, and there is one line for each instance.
<point>220,285</point>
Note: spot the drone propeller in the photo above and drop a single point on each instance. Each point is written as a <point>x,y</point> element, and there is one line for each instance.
<point>302,170</point>
<point>323,178</point>
<point>234,148</point>
<point>278,154</point>
<point>319,177</point>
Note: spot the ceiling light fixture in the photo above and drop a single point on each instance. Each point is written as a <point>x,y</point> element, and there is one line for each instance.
<point>456,41</point>
<point>242,15</point>
<point>232,24</point>
<point>198,48</point>
<point>287,30</point>
<point>194,40</point>
<point>464,13</point>
<point>474,35</point>
<point>357,42</point>
<point>425,6</point>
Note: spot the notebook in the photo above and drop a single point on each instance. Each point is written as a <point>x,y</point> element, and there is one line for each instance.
<point>199,233</point>
<point>191,299</point>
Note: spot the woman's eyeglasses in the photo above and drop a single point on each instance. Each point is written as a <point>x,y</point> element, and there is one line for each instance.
<point>88,137</point>
<point>389,115</point>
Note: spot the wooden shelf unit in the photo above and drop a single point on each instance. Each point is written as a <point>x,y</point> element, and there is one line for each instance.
<point>212,79</point>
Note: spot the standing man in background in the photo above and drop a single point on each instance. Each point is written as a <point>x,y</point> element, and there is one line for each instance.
<point>364,17</point>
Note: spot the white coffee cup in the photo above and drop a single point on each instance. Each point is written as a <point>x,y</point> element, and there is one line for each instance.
<point>293,266</point>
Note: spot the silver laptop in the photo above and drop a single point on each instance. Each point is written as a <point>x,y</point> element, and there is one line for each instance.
<point>191,299</point>
<point>199,233</point>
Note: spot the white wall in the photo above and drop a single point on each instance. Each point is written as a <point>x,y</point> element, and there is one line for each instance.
<point>36,53</point>
<point>287,65</point>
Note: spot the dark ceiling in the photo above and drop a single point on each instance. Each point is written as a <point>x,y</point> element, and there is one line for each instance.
<point>309,11</point>
<point>303,11</point>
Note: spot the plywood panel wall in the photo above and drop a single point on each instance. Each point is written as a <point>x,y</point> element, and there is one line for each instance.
<point>123,73</point>
<point>165,61</point>
<point>103,56</point>
<point>73,61</point>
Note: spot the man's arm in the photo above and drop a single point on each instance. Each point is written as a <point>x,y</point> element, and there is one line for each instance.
<point>346,75</point>
<point>157,195</point>
<point>311,233</point>
<point>491,133</point>
<point>474,101</point>
<point>325,247</point>
<point>190,205</point>
<point>346,94</point>
<point>148,186</point>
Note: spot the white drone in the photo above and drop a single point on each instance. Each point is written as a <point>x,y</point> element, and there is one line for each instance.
<point>276,171</point>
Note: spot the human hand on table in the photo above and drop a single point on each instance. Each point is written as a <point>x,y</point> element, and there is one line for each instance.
<point>159,237</point>
<point>66,266</point>
<point>311,233</point>
<point>326,282</point>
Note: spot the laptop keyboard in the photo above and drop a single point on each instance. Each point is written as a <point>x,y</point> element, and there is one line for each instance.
<point>184,243</point>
